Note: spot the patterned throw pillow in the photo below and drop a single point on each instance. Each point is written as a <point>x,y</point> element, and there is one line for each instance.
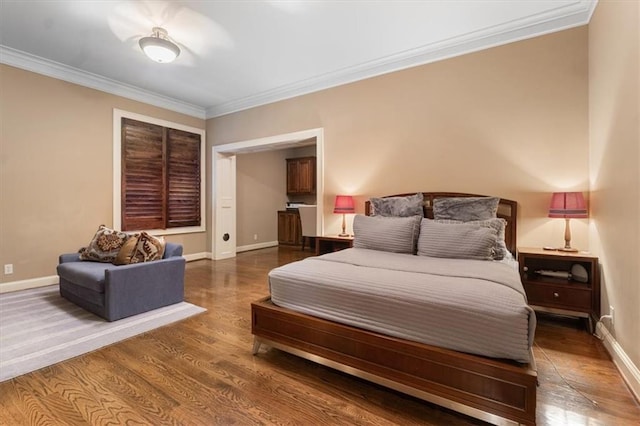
<point>398,206</point>
<point>148,248</point>
<point>104,245</point>
<point>465,209</point>
<point>127,250</point>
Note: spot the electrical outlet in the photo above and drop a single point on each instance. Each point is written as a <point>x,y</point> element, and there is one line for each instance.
<point>613,317</point>
<point>255,237</point>
<point>8,269</point>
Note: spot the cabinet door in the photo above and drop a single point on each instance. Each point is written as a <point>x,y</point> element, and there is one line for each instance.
<point>297,230</point>
<point>301,176</point>
<point>306,176</point>
<point>289,228</point>
<point>293,177</point>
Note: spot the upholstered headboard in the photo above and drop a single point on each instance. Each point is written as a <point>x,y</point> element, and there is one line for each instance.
<point>507,210</point>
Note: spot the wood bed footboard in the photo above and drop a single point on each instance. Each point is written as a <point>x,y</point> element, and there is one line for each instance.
<point>496,391</point>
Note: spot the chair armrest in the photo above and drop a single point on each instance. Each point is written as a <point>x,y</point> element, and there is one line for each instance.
<point>69,257</point>
<point>139,287</point>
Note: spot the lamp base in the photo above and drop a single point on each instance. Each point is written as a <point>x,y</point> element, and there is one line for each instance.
<point>569,249</point>
<point>565,249</point>
<point>343,235</point>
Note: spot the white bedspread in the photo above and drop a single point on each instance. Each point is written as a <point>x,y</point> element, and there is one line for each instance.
<point>470,306</point>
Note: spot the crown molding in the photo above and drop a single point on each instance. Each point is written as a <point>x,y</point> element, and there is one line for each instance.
<point>19,59</point>
<point>563,17</point>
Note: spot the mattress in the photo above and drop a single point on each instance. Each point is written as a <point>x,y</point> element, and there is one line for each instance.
<point>472,306</point>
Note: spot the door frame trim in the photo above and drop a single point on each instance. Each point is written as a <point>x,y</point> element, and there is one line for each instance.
<point>269,143</point>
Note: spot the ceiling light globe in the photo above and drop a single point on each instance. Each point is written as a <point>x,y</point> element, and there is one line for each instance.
<point>158,49</point>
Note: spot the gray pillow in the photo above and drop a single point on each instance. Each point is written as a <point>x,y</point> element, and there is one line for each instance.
<point>465,209</point>
<point>456,240</point>
<point>398,206</point>
<point>394,234</point>
<point>498,224</point>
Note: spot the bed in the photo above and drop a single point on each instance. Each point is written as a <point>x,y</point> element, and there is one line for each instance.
<point>496,387</point>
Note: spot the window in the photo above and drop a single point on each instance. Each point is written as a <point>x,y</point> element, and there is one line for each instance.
<point>160,174</point>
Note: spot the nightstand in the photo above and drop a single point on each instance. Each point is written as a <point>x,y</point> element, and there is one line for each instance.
<point>328,244</point>
<point>568,295</point>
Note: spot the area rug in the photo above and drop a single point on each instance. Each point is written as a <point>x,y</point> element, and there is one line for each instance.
<point>39,328</point>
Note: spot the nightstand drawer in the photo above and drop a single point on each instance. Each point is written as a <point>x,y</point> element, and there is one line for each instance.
<point>562,297</point>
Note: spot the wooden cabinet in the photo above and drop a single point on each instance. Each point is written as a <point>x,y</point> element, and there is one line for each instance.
<point>301,176</point>
<point>573,293</point>
<point>289,228</point>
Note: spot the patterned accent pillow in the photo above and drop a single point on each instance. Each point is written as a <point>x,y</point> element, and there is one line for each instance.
<point>465,209</point>
<point>498,224</point>
<point>398,206</point>
<point>148,248</point>
<point>456,241</point>
<point>104,245</point>
<point>127,250</point>
<point>394,234</point>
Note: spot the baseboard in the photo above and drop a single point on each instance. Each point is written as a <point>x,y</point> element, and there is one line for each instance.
<point>629,371</point>
<point>53,279</point>
<point>256,246</point>
<point>197,256</point>
<point>27,284</point>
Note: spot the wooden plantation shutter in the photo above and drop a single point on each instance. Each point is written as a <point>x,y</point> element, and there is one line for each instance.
<point>183,204</point>
<point>161,170</point>
<point>143,176</point>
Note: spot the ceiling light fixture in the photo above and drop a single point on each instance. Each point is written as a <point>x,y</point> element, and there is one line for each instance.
<point>158,47</point>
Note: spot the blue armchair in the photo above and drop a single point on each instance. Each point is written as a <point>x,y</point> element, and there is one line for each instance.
<point>115,292</point>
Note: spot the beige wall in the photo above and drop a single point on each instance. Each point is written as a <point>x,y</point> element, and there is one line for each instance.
<point>261,181</point>
<point>614,99</point>
<point>261,192</point>
<point>509,121</point>
<point>56,174</point>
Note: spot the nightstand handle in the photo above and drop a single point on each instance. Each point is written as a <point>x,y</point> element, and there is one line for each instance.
<point>556,295</point>
<point>526,268</point>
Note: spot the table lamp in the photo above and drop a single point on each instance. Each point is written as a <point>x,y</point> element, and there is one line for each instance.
<point>568,205</point>
<point>344,205</point>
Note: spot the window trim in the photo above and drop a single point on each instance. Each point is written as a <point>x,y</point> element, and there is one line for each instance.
<point>118,115</point>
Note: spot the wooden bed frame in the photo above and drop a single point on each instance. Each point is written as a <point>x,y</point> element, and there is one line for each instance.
<point>493,390</point>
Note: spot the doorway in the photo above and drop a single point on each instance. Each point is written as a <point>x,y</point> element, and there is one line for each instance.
<point>223,208</point>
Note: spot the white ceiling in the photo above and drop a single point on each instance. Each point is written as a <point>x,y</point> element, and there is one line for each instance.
<point>240,54</point>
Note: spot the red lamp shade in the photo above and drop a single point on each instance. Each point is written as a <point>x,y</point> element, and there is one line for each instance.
<point>568,205</point>
<point>344,204</point>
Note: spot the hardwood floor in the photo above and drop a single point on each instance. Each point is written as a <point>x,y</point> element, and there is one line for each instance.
<point>201,372</point>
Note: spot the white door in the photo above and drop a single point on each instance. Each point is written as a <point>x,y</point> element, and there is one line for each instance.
<point>224,241</point>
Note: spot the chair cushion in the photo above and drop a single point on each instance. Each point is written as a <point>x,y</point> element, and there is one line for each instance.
<point>89,275</point>
<point>81,296</point>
